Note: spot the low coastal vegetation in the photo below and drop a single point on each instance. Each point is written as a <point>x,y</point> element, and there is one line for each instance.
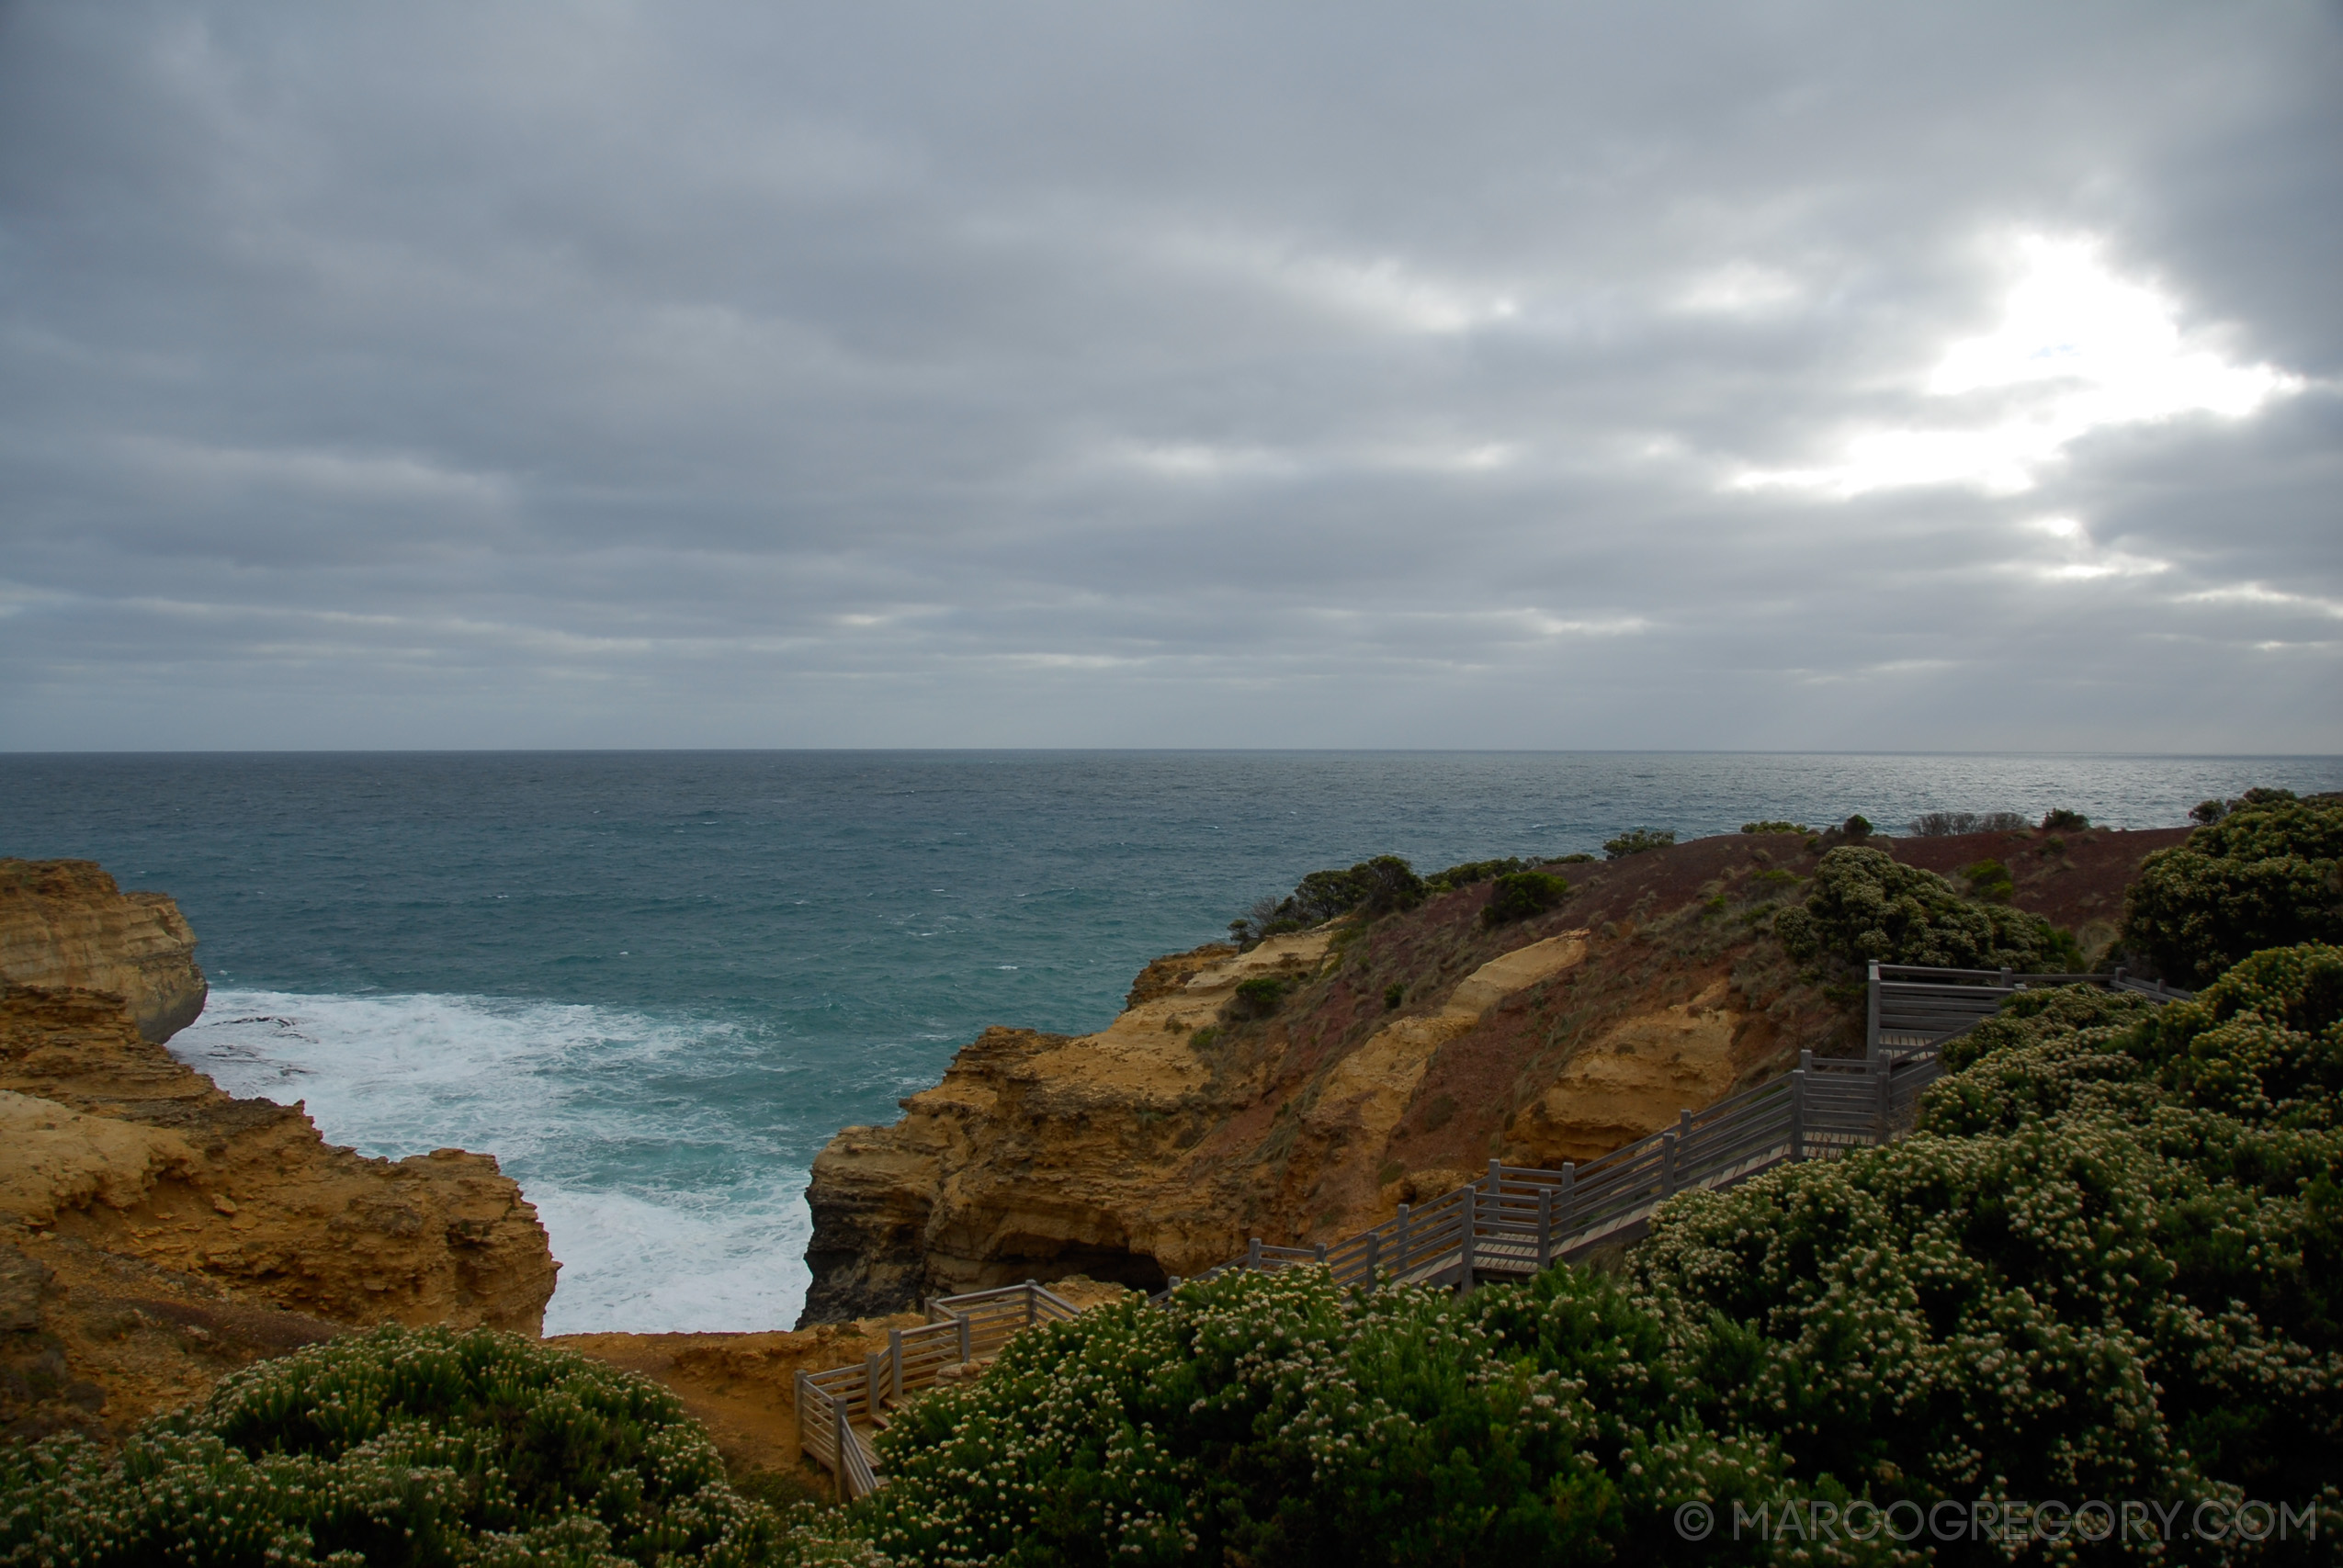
<point>1867,905</point>
<point>1370,889</point>
<point>2263,872</point>
<point>396,1446</point>
<point>1955,824</point>
<point>1638,842</point>
<point>2107,1263</point>
<point>1519,894</point>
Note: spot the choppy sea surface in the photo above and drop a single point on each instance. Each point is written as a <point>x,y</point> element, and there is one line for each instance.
<point>654,984</point>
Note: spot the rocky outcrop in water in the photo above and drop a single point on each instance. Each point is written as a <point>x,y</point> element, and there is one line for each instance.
<point>1393,1061</point>
<point>63,922</point>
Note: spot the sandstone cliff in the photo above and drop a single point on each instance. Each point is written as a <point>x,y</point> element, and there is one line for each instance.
<point>63,922</point>
<point>1406,1053</point>
<point>157,1231</point>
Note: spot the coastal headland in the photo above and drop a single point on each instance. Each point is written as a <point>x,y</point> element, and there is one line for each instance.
<point>157,1232</point>
<point>1304,1087</point>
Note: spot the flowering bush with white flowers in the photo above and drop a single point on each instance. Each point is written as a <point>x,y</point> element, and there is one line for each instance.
<point>396,1446</point>
<point>2110,1262</point>
<point>1280,1418</point>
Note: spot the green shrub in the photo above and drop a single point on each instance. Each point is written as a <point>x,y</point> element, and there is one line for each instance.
<point>1775,828</point>
<point>1473,870</point>
<point>1637,840</point>
<point>2263,875</point>
<point>1579,859</point>
<point>394,1446</point>
<point>1393,995</point>
<point>1371,889</point>
<point>2058,819</point>
<point>1989,880</point>
<point>1867,905</point>
<point>1952,824</point>
<point>1519,894</point>
<point>1273,1418</point>
<point>1258,997</point>
<point>2262,1043</point>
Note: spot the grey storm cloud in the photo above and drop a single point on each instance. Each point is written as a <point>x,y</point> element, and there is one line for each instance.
<point>1781,375</point>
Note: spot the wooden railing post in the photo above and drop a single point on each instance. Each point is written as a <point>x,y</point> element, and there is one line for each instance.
<point>800,1402</point>
<point>1666,1164</point>
<point>1544,1227</point>
<point>1032,1302</point>
<point>1472,1223</point>
<point>1321,1252</point>
<point>1871,1019</point>
<point>1374,1258</point>
<point>895,1354</point>
<point>1798,1109</point>
<point>841,1432</point>
<point>1252,1253</point>
<point>873,1379</point>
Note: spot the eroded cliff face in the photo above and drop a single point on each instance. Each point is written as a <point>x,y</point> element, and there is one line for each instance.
<point>63,922</point>
<point>155,1232</point>
<point>1406,1055</point>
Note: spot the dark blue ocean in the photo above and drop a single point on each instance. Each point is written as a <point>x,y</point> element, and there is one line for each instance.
<point>654,984</point>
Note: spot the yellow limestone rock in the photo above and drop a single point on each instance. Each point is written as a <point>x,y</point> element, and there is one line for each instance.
<point>59,1158</point>
<point>1635,1078</point>
<point>1376,1082</point>
<point>63,922</point>
<point>1040,1155</point>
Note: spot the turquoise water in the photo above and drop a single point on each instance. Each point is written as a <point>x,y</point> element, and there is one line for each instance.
<point>654,984</point>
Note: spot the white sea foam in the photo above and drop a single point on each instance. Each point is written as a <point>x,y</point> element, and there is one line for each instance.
<point>667,1209</point>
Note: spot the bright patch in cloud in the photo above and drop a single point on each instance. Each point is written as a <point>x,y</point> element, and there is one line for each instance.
<point>1383,291</point>
<point>2256,593</point>
<point>1388,292</point>
<point>2084,561</point>
<point>1740,288</point>
<point>2077,349</point>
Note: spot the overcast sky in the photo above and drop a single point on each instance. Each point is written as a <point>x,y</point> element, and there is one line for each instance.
<point>593,374</point>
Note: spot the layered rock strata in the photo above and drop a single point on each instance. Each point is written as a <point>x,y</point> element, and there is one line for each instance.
<point>1404,1056</point>
<point>155,1232</point>
<point>63,922</point>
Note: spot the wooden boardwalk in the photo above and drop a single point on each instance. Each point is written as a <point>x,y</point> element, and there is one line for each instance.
<point>1513,1221</point>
